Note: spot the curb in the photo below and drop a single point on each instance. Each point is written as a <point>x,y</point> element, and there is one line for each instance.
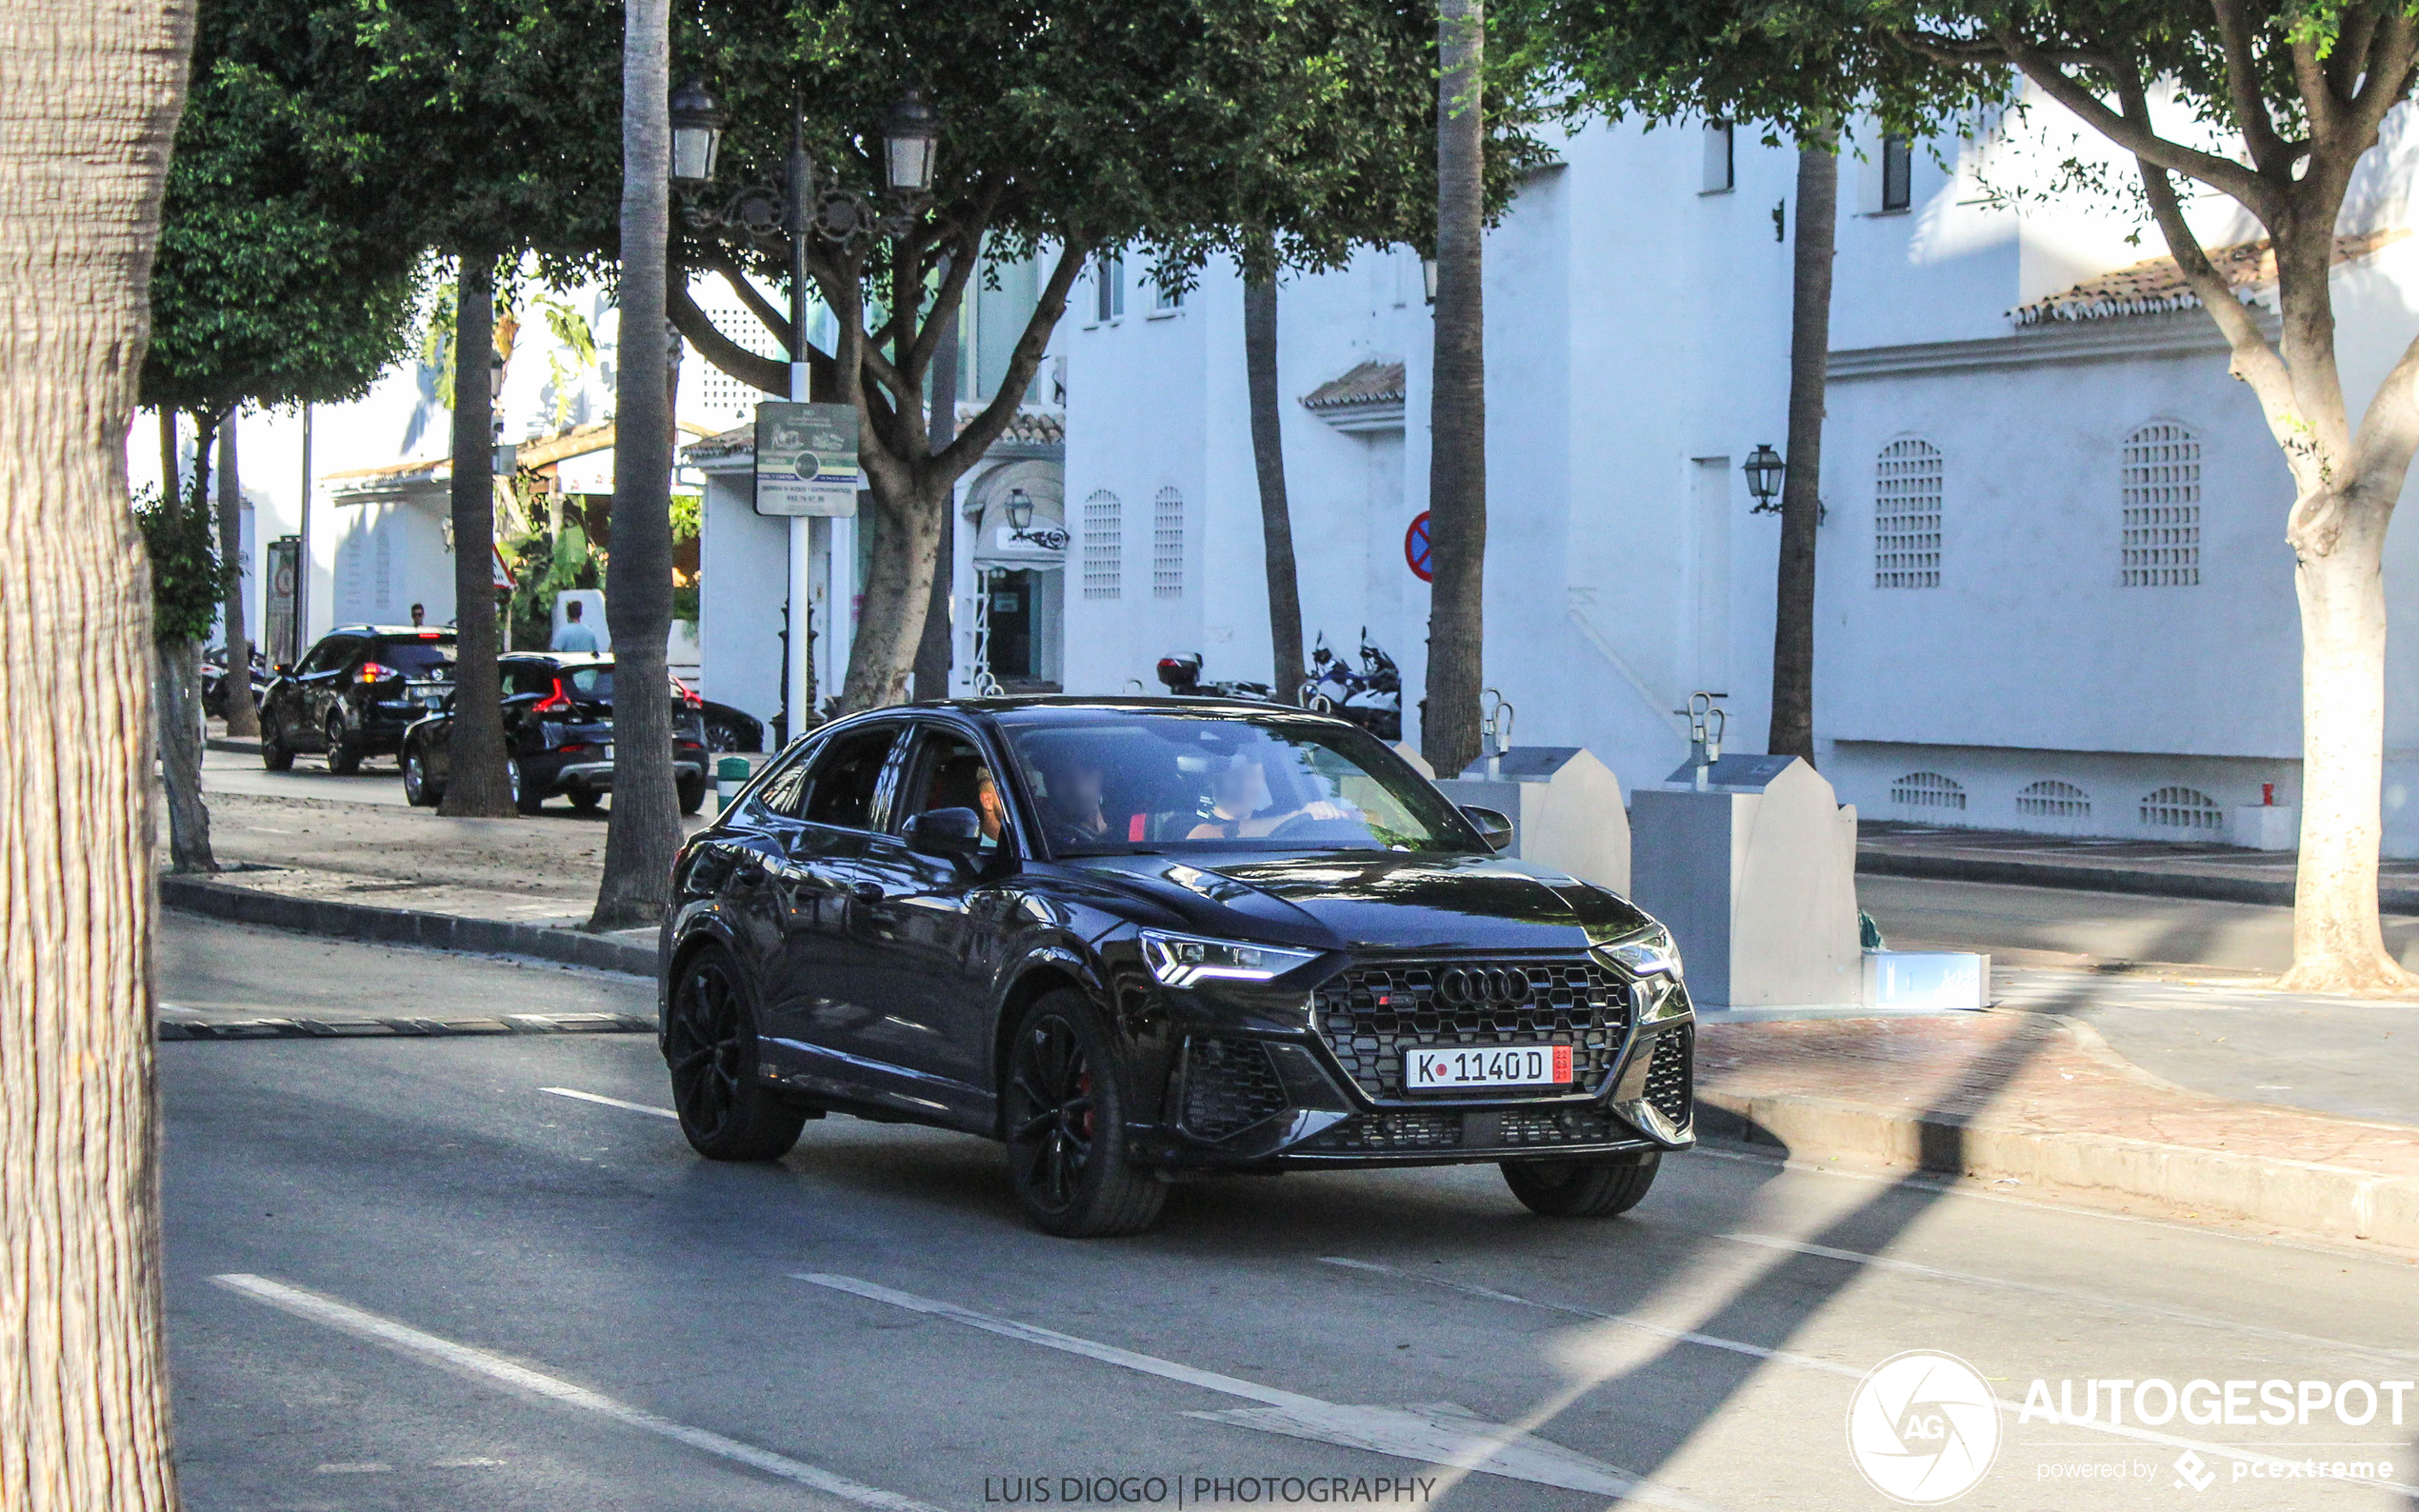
<point>402,1028</point>
<point>232,744</point>
<point>2196,885</point>
<point>436,931</point>
<point>2331,1200</point>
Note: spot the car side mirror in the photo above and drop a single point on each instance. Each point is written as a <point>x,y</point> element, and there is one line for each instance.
<point>1493,827</point>
<point>946,832</point>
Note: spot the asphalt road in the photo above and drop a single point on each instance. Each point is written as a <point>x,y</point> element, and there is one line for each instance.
<point>408,1274</point>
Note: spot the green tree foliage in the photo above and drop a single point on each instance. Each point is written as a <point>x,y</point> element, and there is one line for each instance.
<point>188,577</point>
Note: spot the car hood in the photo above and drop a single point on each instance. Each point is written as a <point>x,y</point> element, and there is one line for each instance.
<point>1374,900</point>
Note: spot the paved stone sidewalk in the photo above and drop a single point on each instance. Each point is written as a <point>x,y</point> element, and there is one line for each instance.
<point>2165,869</point>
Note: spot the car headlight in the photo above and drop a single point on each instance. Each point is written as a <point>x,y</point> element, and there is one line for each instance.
<point>1181,960</point>
<point>1652,953</point>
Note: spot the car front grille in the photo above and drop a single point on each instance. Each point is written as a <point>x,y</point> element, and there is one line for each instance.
<point>1667,1089</point>
<point>1230,1085</point>
<point>1371,1015</point>
<point>1574,1125</point>
<point>1394,1131</point>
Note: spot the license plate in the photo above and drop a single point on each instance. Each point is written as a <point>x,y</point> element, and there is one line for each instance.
<point>608,753</point>
<point>1499,1065</point>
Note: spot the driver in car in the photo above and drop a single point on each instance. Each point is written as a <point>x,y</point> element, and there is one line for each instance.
<point>1238,792</point>
<point>1071,813</point>
<point>986,806</point>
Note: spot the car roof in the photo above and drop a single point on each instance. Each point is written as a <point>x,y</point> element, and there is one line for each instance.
<point>1074,705</point>
<point>399,631</point>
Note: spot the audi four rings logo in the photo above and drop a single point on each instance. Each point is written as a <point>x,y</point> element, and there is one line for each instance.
<point>1483,985</point>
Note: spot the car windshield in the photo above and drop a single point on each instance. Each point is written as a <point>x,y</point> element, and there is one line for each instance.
<point>416,658</point>
<point>1116,782</point>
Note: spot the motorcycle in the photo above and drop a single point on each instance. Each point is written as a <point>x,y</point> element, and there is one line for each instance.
<point>1181,676</point>
<point>1370,695</point>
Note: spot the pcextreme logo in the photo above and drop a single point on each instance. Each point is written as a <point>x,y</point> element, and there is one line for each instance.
<point>1923,1427</point>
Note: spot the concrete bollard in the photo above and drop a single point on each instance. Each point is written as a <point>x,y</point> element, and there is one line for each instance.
<point>731,774</point>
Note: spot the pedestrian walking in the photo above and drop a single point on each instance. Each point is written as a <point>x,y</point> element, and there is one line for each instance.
<point>574,636</point>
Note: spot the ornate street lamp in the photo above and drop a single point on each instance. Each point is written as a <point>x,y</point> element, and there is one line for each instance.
<point>697,123</point>
<point>1020,509</point>
<point>912,140</point>
<point>1765,471</point>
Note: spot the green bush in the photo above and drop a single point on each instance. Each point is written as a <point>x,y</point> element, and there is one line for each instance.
<point>188,582</point>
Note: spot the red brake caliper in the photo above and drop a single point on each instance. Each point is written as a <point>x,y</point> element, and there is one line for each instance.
<point>1084,1084</point>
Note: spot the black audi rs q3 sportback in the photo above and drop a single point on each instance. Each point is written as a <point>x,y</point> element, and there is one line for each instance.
<point>1139,939</point>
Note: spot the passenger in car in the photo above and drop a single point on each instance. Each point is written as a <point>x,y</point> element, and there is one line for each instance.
<point>987,805</point>
<point>1070,810</point>
<point>1238,792</point>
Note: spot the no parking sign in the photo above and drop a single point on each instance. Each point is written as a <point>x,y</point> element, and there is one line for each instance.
<point>1415,548</point>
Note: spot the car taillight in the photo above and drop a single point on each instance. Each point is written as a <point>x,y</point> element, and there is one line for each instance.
<point>372,672</point>
<point>687,696</point>
<point>555,703</point>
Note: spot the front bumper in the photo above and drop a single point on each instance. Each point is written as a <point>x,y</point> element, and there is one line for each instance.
<point>1248,1099</point>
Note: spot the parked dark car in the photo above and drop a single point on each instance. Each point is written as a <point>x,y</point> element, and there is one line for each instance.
<point>217,686</point>
<point>354,694</point>
<point>1141,939</point>
<point>558,736</point>
<point>732,729</point>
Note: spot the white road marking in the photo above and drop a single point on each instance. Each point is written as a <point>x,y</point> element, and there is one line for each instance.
<point>1811,1363</point>
<point>478,1362</point>
<point>1438,1434</point>
<point>363,1467</point>
<point>609,1102</point>
<point>2063,1294</point>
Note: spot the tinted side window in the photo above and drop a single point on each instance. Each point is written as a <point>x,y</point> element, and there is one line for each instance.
<point>840,794</point>
<point>330,654</point>
<point>786,794</point>
<point>528,677</point>
<point>951,774</point>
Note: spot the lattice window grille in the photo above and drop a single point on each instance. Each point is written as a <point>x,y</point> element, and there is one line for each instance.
<point>2162,502</point>
<point>1104,546</point>
<point>2180,807</point>
<point>2052,799</point>
<point>1927,790</point>
<point>1167,544</point>
<point>1907,515</point>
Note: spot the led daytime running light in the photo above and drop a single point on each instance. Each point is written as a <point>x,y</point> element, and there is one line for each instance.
<point>1182,961</point>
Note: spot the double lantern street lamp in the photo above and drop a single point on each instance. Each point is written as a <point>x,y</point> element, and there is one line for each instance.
<point>911,142</point>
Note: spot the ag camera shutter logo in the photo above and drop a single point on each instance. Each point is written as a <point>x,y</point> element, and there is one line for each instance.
<point>1923,1427</point>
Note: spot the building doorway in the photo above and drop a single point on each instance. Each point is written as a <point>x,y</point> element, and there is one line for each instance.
<point>1021,614</point>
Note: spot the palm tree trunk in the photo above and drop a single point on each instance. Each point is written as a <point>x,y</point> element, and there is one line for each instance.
<point>1792,731</point>
<point>645,828</point>
<point>1267,454</point>
<point>477,787</point>
<point>178,696</point>
<point>84,1399</point>
<point>1457,460</point>
<point>242,717</point>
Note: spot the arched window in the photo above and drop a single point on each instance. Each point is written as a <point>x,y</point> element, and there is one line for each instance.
<point>1167,544</point>
<point>1104,546</point>
<point>2182,807</point>
<point>2052,799</point>
<point>2161,488</point>
<point>1927,790</point>
<point>1907,515</point>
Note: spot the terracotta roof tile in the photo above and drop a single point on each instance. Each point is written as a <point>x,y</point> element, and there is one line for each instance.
<point>2156,285</point>
<point>1375,381</point>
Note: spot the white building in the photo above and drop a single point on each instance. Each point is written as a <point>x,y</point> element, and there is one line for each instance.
<point>2054,591</point>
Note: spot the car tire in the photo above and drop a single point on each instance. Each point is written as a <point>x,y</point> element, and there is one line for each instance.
<point>693,795</point>
<point>273,752</point>
<point>584,798</point>
<point>527,799</point>
<point>343,757</point>
<point>710,1046</point>
<point>417,790</point>
<point>1582,1188</point>
<point>1066,1101</point>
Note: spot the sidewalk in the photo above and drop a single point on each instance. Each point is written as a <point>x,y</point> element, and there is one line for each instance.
<point>2216,1102</point>
<point>2159,868</point>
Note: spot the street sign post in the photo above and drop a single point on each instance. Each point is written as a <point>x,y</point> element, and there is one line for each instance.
<point>806,459</point>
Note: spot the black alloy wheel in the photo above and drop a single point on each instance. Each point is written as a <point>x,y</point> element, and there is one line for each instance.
<point>344,756</point>
<point>274,753</point>
<point>585,799</point>
<point>1064,1112</point>
<point>417,790</point>
<point>527,797</point>
<point>1601,1186</point>
<point>710,1043</point>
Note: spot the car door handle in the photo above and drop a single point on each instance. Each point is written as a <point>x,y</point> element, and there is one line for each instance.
<point>865,891</point>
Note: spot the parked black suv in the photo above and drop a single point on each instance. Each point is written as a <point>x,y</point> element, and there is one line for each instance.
<point>1141,938</point>
<point>354,694</point>
<point>558,736</point>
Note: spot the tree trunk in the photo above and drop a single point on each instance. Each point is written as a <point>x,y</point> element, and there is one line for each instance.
<point>644,833</point>
<point>477,787</point>
<point>243,718</point>
<point>84,1399</point>
<point>171,465</point>
<point>1792,731</point>
<point>935,651</point>
<point>178,697</point>
<point>1268,455</point>
<point>1457,457</point>
<point>2338,945</point>
<point>906,521</point>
